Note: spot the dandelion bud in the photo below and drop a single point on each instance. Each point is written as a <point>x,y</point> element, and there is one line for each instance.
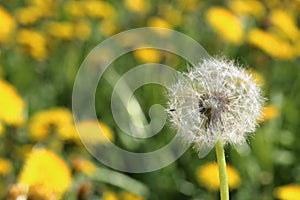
<point>214,100</point>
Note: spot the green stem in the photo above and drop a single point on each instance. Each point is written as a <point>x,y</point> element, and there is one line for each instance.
<point>224,190</point>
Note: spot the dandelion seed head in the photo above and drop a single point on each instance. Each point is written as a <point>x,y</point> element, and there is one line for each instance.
<point>216,99</point>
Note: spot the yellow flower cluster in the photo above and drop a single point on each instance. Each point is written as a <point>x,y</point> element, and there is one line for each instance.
<point>29,15</point>
<point>34,11</point>
<point>46,174</point>
<point>11,105</point>
<point>208,176</point>
<point>68,31</point>
<point>90,8</point>
<point>39,23</point>
<point>57,120</point>
<point>63,30</point>
<point>7,25</point>
<point>233,22</point>
<point>38,28</point>
<point>248,7</point>
<point>271,44</point>
<point>280,38</point>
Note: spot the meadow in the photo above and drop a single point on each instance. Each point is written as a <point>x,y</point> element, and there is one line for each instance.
<point>42,46</point>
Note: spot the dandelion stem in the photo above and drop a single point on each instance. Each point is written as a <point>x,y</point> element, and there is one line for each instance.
<point>224,191</point>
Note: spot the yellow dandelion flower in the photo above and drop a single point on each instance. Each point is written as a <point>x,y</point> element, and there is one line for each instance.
<point>7,25</point>
<point>58,120</point>
<point>66,131</point>
<point>159,23</point>
<point>99,9</point>
<point>47,171</point>
<point>270,112</point>
<point>248,7</point>
<point>287,192</point>
<point>89,132</point>
<point>34,43</point>
<point>74,9</point>
<point>29,15</point>
<point>208,176</point>
<point>271,44</point>
<point>124,195</point>
<point>5,166</point>
<point>82,30</point>
<point>226,24</point>
<point>148,55</point>
<point>11,105</point>
<point>109,195</point>
<point>61,30</point>
<point>285,22</point>
<point>46,7</point>
<point>138,6</point>
<point>107,27</point>
<point>85,166</point>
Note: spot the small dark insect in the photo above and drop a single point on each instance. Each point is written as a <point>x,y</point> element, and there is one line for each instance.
<point>172,110</point>
<point>205,110</point>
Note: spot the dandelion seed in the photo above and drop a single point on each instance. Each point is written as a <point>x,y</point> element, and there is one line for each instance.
<point>215,100</point>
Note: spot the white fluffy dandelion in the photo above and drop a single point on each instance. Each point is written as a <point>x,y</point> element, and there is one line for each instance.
<point>214,100</point>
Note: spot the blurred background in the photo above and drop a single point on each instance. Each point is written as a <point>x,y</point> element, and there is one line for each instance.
<point>44,42</point>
